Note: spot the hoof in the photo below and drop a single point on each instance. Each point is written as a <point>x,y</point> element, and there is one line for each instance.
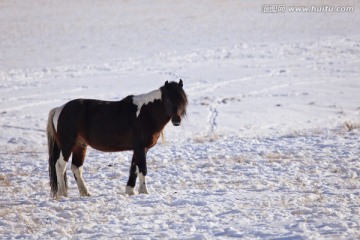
<point>86,194</point>
<point>143,190</point>
<point>129,191</point>
<point>59,195</point>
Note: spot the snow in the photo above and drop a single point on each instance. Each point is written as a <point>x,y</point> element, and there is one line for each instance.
<point>263,153</point>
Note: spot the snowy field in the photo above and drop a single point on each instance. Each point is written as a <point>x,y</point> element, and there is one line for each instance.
<point>270,146</point>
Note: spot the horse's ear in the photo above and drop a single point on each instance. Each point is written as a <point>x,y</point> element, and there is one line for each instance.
<point>166,83</point>
<point>181,83</point>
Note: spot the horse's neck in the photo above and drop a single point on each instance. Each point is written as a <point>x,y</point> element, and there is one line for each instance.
<point>160,116</point>
<point>144,99</point>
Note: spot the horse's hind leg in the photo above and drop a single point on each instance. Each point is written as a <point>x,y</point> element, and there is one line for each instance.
<point>60,167</point>
<point>78,156</point>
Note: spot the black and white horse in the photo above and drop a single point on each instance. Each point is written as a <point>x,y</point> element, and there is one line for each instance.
<point>133,123</point>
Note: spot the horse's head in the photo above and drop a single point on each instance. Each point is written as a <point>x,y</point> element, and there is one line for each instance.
<point>175,101</point>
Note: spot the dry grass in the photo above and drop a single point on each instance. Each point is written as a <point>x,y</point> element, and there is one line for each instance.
<point>274,157</point>
<point>207,138</point>
<point>240,159</point>
<point>350,126</point>
<point>4,212</point>
<point>23,215</point>
<point>4,181</point>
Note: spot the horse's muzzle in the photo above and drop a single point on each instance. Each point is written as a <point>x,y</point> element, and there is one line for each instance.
<point>176,121</point>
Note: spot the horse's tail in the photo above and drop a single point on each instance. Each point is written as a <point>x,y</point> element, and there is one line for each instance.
<point>54,152</point>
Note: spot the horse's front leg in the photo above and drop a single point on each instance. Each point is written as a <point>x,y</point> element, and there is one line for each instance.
<point>132,178</point>
<point>142,174</point>
<point>138,167</point>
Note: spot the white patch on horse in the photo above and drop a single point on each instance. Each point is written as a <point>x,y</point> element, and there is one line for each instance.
<point>77,171</point>
<point>142,185</point>
<point>60,167</point>
<point>56,116</point>
<point>143,99</point>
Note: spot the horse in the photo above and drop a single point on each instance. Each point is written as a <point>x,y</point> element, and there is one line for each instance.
<point>131,124</point>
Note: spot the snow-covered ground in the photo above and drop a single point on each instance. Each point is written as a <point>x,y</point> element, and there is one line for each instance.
<point>263,153</point>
